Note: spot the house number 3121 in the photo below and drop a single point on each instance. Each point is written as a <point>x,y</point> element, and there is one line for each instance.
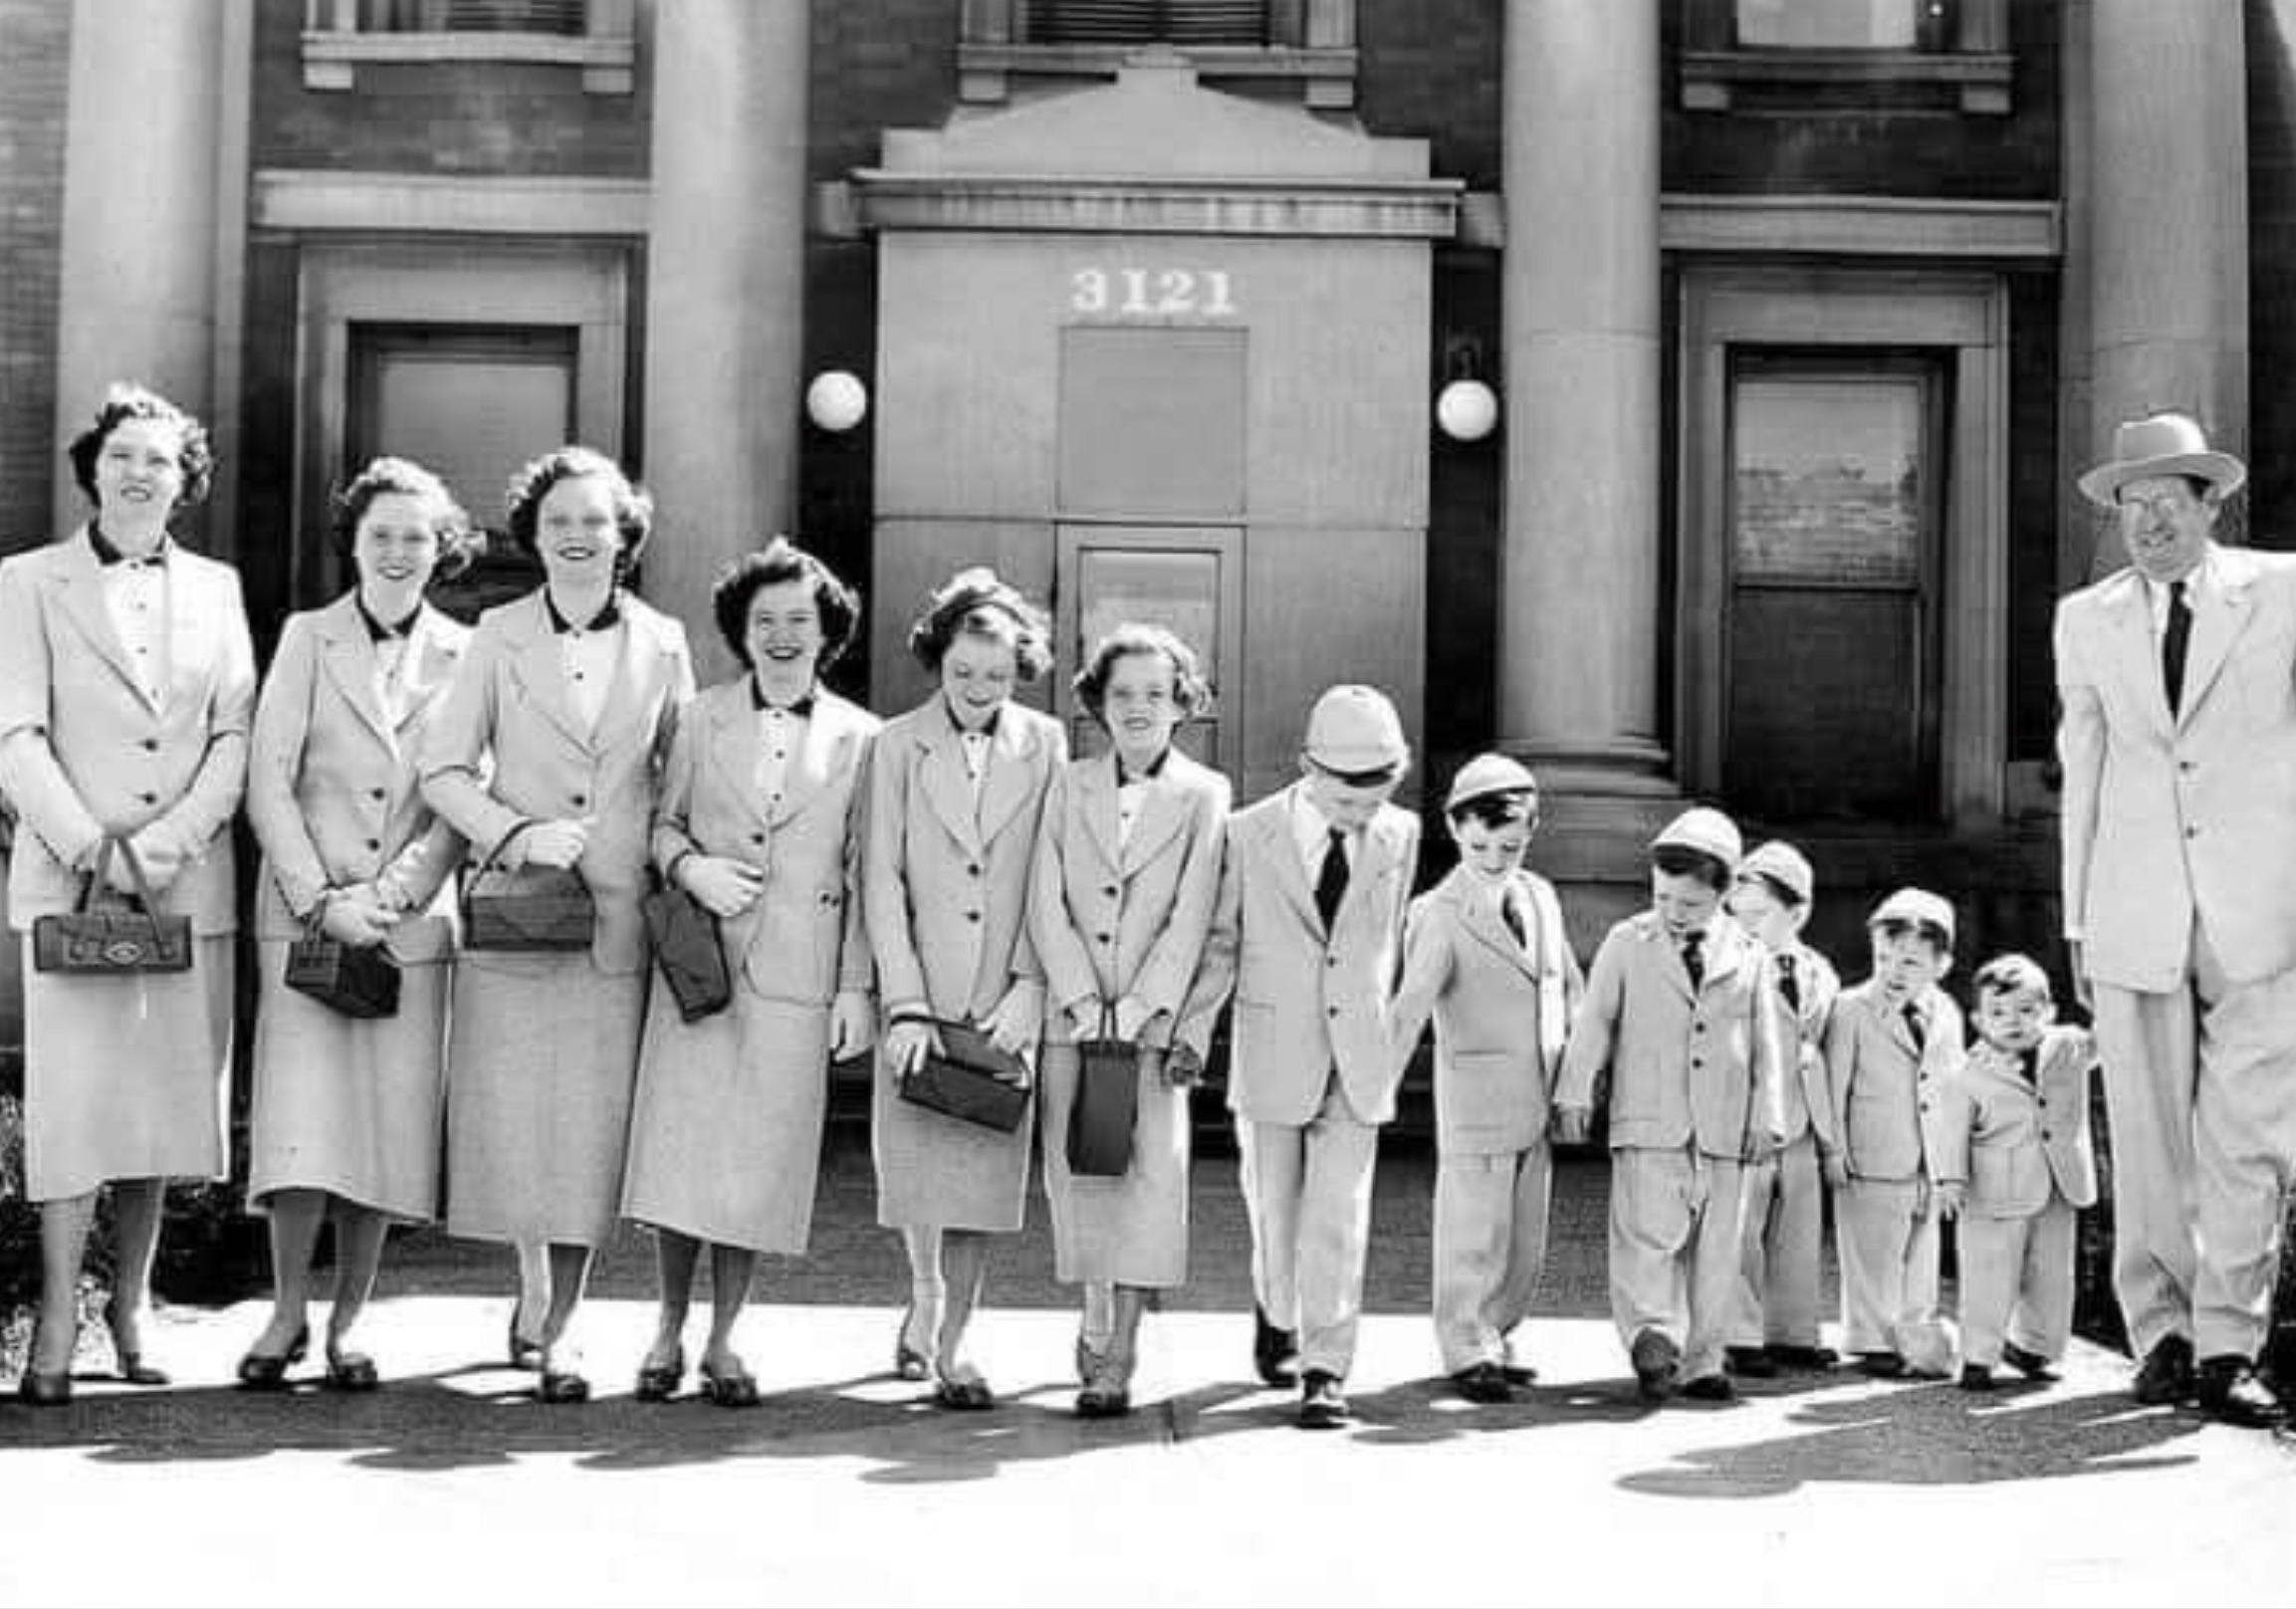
<point>1151,292</point>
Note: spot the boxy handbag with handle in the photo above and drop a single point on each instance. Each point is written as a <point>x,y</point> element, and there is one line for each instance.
<point>356,979</point>
<point>690,953</point>
<point>110,938</point>
<point>1107,1103</point>
<point>541,908</point>
<point>970,1079</point>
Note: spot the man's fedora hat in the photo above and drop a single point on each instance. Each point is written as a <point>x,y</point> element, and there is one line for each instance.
<point>2162,444</point>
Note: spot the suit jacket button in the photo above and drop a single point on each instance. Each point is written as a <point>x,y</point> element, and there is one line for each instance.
<point>150,744</point>
<point>757,837</point>
<point>148,799</point>
<point>1698,1028</point>
<point>1110,891</point>
<point>1103,938</point>
<point>972,916</point>
<point>2192,832</point>
<point>374,843</point>
<point>378,794</point>
<point>972,870</point>
<point>580,800</point>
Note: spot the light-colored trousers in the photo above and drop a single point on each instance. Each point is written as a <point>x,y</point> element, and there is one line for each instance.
<point>1887,1230</point>
<point>1676,1224</point>
<point>1778,1302</point>
<point>2016,1278</point>
<point>1489,1245</point>
<point>1307,1194</point>
<point>2200,1103</point>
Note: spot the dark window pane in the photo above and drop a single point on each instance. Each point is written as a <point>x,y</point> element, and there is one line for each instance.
<point>1823,717</point>
<point>1137,22</point>
<point>1832,24</point>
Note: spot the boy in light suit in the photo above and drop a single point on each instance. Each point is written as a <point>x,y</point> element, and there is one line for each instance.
<point>1308,937</point>
<point>1681,1018</point>
<point>1486,955</point>
<point>2017,1167</point>
<point>1894,1043</point>
<point>1776,1324</point>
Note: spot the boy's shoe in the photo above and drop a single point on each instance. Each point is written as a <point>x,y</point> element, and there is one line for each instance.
<point>1750,1362</point>
<point>1656,1360</point>
<point>1881,1365</point>
<point>1710,1388</point>
<point>1273,1352</point>
<point>1322,1405</point>
<point>1485,1383</point>
<point>1976,1377</point>
<point>1812,1358</point>
<point>2165,1375</point>
<point>2031,1365</point>
<point>2233,1392</point>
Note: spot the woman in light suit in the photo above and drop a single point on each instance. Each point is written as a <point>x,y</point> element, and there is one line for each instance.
<point>126,689</point>
<point>955,792</point>
<point>761,822</point>
<point>1127,876</point>
<point>549,752</point>
<point>347,1112</point>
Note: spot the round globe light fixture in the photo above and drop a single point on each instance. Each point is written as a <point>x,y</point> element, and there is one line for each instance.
<point>1467,410</point>
<point>836,401</point>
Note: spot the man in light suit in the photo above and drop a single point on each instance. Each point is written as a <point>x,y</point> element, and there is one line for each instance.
<point>1308,936</point>
<point>2177,677</point>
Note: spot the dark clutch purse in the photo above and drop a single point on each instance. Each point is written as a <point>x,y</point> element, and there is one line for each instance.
<point>1107,1101</point>
<point>359,980</point>
<point>970,1079</point>
<point>541,908</point>
<point>689,952</point>
<point>113,939</point>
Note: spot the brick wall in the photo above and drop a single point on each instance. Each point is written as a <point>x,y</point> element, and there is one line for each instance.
<point>34,44</point>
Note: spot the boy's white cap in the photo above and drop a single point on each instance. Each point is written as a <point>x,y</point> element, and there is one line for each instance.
<point>1489,773</point>
<point>1707,830</point>
<point>1355,729</point>
<point>1915,905</point>
<point>1782,864</point>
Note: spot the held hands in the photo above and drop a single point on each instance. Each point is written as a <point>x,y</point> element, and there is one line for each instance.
<point>1085,1018</point>
<point>907,1044</point>
<point>1573,1125</point>
<point>1836,1168</point>
<point>1183,1067</point>
<point>852,1021</point>
<point>161,855</point>
<point>357,917</point>
<point>1951,1197</point>
<point>724,886</point>
<point>558,844</point>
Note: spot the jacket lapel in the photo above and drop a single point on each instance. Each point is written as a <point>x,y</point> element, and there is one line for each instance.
<point>1275,826</point>
<point>1480,918</point>
<point>81,591</point>
<point>432,656</point>
<point>942,776</point>
<point>731,742</point>
<point>2135,651</point>
<point>194,613</point>
<point>1096,784</point>
<point>626,701</point>
<point>827,753</point>
<point>537,669</point>
<point>2217,621</point>
<point>351,664</point>
<point>1010,778</point>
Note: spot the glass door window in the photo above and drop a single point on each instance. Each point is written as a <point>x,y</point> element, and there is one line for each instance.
<point>1188,582</point>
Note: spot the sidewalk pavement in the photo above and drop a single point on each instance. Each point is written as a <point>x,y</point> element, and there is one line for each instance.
<point>848,1486</point>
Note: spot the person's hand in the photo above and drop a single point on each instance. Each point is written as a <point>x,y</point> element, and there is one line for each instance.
<point>1573,1125</point>
<point>357,917</point>
<point>1952,1196</point>
<point>558,844</point>
<point>1836,1168</point>
<point>724,886</point>
<point>1183,1067</point>
<point>161,854</point>
<point>907,1044</point>
<point>1135,1021</point>
<point>1763,1143</point>
<point>1019,1020</point>
<point>2077,958</point>
<point>1085,1018</point>
<point>852,1023</point>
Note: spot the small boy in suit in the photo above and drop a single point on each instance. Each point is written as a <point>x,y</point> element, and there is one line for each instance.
<point>1776,1323</point>
<point>2018,1165</point>
<point>1309,938</point>
<point>1680,1021</point>
<point>1484,954</point>
<point>1893,1045</point>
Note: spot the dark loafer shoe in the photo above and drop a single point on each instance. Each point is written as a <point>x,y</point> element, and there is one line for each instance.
<point>659,1382</point>
<point>1709,1388</point>
<point>45,1390</point>
<point>562,1387</point>
<point>2165,1375</point>
<point>2031,1365</point>
<point>1485,1384</point>
<point>1656,1360</point>
<point>2233,1393</point>
<point>1810,1359</point>
<point>1882,1365</point>
<point>1519,1374</point>
<point>1750,1362</point>
<point>733,1388</point>
<point>1322,1405</point>
<point>969,1394</point>
<point>1273,1352</point>
<point>353,1373</point>
<point>1976,1377</point>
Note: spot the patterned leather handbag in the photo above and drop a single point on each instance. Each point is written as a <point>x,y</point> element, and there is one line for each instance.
<point>1106,1104</point>
<point>536,908</point>
<point>970,1079</point>
<point>100,935</point>
<point>689,952</point>
<point>356,979</point>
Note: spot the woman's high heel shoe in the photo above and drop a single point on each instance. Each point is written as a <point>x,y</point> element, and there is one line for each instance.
<point>525,1355</point>
<point>132,1368</point>
<point>260,1373</point>
<point>909,1363</point>
<point>45,1390</point>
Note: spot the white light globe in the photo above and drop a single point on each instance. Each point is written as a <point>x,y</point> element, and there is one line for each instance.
<point>836,401</point>
<point>1467,410</point>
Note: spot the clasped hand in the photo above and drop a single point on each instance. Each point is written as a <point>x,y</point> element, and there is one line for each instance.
<point>724,886</point>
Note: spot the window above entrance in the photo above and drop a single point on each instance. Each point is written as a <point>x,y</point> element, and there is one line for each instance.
<point>1311,43</point>
<point>1815,56</point>
<point>595,37</point>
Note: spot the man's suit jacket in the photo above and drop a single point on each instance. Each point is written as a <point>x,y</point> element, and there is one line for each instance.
<point>1888,1095</point>
<point>2009,1141</point>
<point>1805,1100</point>
<point>946,883</point>
<point>803,940</point>
<point>2167,815</point>
<point>331,790</point>
<point>82,752</point>
<point>1125,920</point>
<point>1306,1002</point>
<point>510,705</point>
<point>1683,1065</point>
<point>1502,1009</point>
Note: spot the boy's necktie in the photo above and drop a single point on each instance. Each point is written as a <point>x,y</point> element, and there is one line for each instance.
<point>2175,642</point>
<point>1331,880</point>
<point>1915,1025</point>
<point>1512,914</point>
<point>1789,987</point>
<point>1693,960</point>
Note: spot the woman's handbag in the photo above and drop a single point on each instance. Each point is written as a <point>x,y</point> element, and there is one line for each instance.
<point>970,1079</point>
<point>544,908</point>
<point>356,979</point>
<point>690,953</point>
<point>1106,1104</point>
<point>113,938</point>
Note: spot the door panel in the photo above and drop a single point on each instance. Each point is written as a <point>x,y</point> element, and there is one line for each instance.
<point>1189,580</point>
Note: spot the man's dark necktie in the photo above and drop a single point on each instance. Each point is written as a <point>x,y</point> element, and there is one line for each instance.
<point>2030,1063</point>
<point>1916,1027</point>
<point>2175,642</point>
<point>1693,960</point>
<point>1789,987</point>
<point>1512,914</point>
<point>1331,881</point>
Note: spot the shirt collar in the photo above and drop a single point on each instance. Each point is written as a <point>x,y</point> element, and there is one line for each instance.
<point>2200,581</point>
<point>381,633</point>
<point>108,552</point>
<point>801,709</point>
<point>987,730</point>
<point>604,621</point>
<point>1153,770</point>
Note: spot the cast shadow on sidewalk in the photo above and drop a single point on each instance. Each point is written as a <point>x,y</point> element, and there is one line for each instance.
<point>1937,1435</point>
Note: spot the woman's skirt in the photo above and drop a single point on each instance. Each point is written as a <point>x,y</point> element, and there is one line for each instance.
<point>1128,1230</point>
<point>940,1171</point>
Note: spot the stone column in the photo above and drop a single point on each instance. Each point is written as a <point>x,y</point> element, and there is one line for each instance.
<point>2165,217</point>
<point>1578,635</point>
<point>136,284</point>
<point>724,298</point>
